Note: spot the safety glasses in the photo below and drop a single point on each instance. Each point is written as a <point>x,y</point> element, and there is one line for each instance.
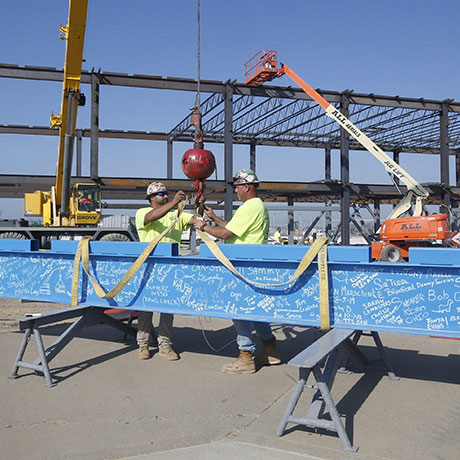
<point>161,193</point>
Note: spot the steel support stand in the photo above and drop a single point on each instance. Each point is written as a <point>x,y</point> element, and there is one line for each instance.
<point>332,346</point>
<point>88,316</point>
<point>321,399</point>
<point>353,349</point>
<point>384,355</point>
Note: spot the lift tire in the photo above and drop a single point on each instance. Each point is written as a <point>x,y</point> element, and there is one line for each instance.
<point>13,236</point>
<point>391,253</point>
<point>114,237</point>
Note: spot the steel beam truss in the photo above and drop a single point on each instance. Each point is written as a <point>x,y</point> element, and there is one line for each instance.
<point>277,115</point>
<point>273,116</point>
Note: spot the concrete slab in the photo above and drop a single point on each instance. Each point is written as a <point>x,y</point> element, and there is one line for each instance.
<point>110,405</point>
<point>224,450</point>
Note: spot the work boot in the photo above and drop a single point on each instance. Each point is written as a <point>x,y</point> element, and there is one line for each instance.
<point>168,353</point>
<point>244,364</point>
<point>269,355</point>
<point>143,352</point>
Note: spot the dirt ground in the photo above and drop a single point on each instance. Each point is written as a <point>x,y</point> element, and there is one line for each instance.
<point>11,309</point>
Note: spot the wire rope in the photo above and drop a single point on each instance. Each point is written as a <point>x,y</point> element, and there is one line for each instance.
<point>198,53</point>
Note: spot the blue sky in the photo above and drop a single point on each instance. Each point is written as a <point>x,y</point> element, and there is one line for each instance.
<point>407,48</point>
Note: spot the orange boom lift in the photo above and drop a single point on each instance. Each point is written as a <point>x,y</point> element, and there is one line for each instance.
<point>397,233</point>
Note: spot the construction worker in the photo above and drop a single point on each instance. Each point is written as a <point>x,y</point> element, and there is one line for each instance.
<point>249,225</point>
<point>277,236</point>
<point>150,222</point>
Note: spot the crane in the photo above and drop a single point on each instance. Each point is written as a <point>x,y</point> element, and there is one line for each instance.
<point>64,205</point>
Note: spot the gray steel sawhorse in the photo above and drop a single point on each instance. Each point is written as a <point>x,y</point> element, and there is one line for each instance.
<point>330,346</point>
<point>88,316</point>
<point>380,348</point>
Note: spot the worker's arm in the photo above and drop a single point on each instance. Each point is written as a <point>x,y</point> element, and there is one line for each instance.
<point>161,211</point>
<point>192,221</point>
<point>217,232</point>
<point>217,220</point>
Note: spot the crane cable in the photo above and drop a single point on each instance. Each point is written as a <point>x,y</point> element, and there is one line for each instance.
<point>197,104</point>
<point>198,54</point>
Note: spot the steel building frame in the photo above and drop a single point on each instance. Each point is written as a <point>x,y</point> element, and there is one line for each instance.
<point>235,113</point>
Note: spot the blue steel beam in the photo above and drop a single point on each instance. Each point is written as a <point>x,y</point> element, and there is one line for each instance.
<point>420,297</point>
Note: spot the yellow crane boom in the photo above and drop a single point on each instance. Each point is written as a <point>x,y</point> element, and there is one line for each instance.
<point>74,33</point>
<point>66,205</point>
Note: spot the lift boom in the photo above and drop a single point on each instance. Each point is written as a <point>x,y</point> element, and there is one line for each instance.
<point>397,233</point>
<point>414,189</point>
<point>267,70</point>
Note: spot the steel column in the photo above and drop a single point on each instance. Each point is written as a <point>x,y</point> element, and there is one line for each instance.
<point>78,162</point>
<point>457,169</point>
<point>328,223</point>
<point>328,176</point>
<point>345,174</point>
<point>444,155</point>
<point>396,160</point>
<point>290,221</point>
<point>394,178</point>
<point>169,158</point>
<point>228,151</point>
<point>252,156</point>
<point>327,162</point>
<point>376,215</point>
<point>94,151</point>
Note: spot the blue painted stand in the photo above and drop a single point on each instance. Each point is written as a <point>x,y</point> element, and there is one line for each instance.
<point>419,297</point>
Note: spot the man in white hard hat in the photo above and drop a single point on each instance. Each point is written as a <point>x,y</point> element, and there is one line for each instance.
<point>249,225</point>
<point>150,222</point>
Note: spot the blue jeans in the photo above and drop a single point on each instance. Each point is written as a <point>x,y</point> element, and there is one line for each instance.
<point>244,330</point>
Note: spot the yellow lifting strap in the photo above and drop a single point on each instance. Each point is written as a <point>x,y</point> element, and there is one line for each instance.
<point>82,255</point>
<point>319,247</point>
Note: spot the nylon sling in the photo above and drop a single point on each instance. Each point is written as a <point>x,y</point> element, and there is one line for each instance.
<point>318,248</point>
<point>82,255</point>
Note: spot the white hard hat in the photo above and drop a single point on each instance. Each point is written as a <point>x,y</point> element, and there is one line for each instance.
<point>155,187</point>
<point>245,176</point>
